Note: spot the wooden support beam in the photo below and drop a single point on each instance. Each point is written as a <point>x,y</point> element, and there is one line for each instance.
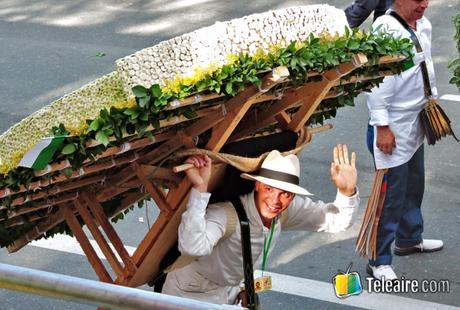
<point>319,90</point>
<point>149,239</point>
<point>86,246</point>
<point>240,104</point>
<point>99,215</point>
<point>283,119</point>
<point>155,172</point>
<point>104,246</point>
<point>152,190</point>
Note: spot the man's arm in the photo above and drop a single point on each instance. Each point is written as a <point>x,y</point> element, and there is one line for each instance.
<point>359,10</point>
<point>304,214</point>
<point>200,228</point>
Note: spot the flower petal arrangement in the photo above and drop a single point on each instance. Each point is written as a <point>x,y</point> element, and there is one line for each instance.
<point>179,90</point>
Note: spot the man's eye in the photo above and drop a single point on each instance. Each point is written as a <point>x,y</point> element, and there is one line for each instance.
<point>287,195</point>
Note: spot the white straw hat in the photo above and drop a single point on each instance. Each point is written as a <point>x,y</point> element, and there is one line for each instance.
<point>281,172</point>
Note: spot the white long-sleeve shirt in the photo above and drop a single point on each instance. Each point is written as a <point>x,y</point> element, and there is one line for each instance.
<point>216,275</point>
<point>398,101</point>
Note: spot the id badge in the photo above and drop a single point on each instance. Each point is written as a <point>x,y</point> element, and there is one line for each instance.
<point>263,283</point>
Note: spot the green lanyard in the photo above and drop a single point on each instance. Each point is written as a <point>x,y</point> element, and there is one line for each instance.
<point>267,245</point>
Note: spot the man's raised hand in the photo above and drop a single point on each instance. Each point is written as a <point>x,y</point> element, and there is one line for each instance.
<point>200,174</point>
<point>343,170</point>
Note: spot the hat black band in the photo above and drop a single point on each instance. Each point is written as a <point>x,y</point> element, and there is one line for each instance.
<point>280,176</point>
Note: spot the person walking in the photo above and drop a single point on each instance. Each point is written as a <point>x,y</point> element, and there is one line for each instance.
<point>395,137</point>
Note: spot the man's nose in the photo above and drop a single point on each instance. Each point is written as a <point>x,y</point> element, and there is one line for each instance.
<point>275,198</point>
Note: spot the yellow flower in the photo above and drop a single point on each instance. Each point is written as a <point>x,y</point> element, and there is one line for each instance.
<point>259,54</point>
<point>232,58</point>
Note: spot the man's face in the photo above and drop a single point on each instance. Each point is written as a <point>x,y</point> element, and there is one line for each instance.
<point>270,201</point>
<point>412,10</point>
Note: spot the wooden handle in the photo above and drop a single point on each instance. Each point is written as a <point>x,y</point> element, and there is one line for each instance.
<point>320,129</point>
<point>182,167</point>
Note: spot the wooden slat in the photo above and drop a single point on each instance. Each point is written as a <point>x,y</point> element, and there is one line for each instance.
<point>58,190</point>
<point>104,246</point>
<point>86,246</point>
<point>46,224</point>
<point>84,171</point>
<point>110,232</point>
<point>42,205</point>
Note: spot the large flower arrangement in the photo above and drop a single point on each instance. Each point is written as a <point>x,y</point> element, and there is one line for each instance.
<point>133,99</point>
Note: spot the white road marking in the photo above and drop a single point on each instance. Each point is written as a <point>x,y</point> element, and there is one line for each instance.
<point>281,283</point>
<point>68,244</point>
<point>449,97</point>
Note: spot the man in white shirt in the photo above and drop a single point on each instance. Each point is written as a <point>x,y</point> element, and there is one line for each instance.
<point>217,273</point>
<point>395,138</point>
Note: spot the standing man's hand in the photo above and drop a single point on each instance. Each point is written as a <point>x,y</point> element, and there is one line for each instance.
<point>343,170</point>
<point>200,174</point>
<point>385,139</point>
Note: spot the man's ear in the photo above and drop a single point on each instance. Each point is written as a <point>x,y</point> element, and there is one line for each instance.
<point>257,185</point>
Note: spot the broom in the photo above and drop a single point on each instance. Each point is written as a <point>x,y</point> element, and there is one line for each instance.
<point>366,243</point>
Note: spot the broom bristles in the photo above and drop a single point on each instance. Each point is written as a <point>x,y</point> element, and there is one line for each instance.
<point>435,122</point>
<point>367,237</point>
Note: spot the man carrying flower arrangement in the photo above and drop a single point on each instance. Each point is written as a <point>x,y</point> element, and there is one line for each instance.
<point>217,273</point>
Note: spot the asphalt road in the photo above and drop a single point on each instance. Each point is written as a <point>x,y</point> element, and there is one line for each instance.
<point>49,48</point>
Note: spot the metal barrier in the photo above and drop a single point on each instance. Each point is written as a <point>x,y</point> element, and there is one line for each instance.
<point>108,296</point>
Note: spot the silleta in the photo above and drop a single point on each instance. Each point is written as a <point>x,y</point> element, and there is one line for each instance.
<point>407,286</point>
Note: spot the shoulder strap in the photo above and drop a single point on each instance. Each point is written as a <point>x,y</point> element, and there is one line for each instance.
<point>418,48</point>
<point>232,219</point>
<point>248,268</point>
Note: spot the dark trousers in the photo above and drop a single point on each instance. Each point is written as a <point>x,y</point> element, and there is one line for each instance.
<point>401,218</point>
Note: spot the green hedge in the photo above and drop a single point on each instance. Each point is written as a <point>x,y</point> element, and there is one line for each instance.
<point>454,65</point>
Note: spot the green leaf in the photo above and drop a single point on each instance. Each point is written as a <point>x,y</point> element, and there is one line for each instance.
<point>102,137</point>
<point>140,91</point>
<point>132,113</point>
<point>69,149</point>
<point>156,90</point>
<point>353,45</point>
<point>104,114</point>
<point>94,126</point>
<point>144,117</point>
<point>67,172</point>
<point>108,132</point>
<point>229,88</point>
<point>143,101</point>
<point>155,123</point>
<point>100,54</point>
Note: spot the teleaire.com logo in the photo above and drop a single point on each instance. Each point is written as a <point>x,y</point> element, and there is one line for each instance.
<point>349,283</point>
